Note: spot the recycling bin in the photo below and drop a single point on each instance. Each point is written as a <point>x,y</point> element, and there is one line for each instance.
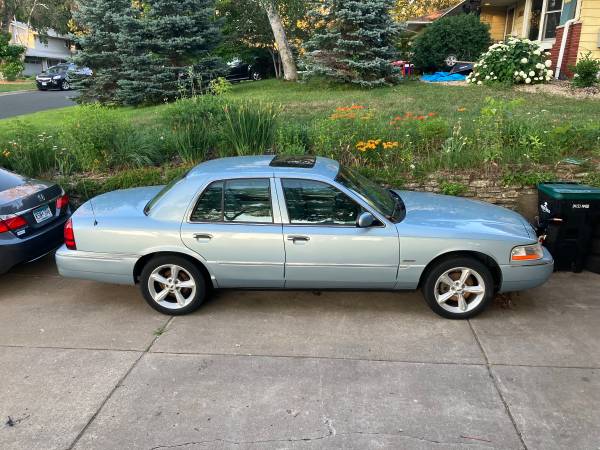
<point>569,214</point>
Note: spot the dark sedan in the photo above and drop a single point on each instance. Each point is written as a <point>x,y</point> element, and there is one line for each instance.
<point>32,217</point>
<point>60,76</point>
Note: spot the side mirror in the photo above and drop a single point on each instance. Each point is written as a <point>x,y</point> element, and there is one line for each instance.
<point>365,220</point>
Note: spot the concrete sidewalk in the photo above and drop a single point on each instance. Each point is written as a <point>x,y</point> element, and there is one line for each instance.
<point>90,366</point>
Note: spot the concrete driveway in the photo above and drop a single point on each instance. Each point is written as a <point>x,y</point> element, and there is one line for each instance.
<point>18,103</point>
<point>89,366</point>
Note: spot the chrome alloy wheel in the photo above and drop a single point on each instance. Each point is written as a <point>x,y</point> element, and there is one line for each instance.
<point>171,286</point>
<point>459,290</point>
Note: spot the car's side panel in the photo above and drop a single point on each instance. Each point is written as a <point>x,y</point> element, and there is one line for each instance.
<point>249,255</point>
<point>339,257</point>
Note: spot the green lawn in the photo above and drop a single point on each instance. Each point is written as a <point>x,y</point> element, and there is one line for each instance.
<point>16,86</point>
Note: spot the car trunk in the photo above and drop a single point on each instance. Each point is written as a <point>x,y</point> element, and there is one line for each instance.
<point>33,200</point>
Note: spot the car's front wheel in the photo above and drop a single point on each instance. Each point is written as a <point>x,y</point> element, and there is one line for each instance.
<point>172,285</point>
<point>65,86</point>
<point>459,288</point>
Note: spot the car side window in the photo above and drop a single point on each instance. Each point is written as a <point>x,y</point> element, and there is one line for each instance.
<point>241,200</point>
<point>312,202</point>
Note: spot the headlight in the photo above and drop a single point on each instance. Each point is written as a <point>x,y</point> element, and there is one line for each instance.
<point>527,253</point>
<point>56,77</point>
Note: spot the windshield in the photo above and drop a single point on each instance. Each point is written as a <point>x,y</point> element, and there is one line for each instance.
<point>162,193</point>
<point>383,200</point>
<point>57,69</point>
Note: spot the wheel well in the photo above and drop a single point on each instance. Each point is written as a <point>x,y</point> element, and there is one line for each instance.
<point>482,257</point>
<point>139,265</point>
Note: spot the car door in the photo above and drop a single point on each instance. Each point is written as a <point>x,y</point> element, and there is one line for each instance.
<point>235,226</point>
<point>323,245</point>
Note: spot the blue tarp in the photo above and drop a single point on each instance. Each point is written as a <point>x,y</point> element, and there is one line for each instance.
<point>443,76</point>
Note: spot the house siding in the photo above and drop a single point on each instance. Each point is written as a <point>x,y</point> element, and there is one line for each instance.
<point>590,29</point>
<point>495,17</point>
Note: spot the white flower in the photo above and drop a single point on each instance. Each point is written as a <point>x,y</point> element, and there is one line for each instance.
<point>516,73</point>
<point>576,75</point>
<point>523,74</point>
<point>538,52</point>
<point>548,63</point>
<point>524,61</point>
<point>479,82</point>
<point>539,66</point>
<point>487,77</point>
<point>531,73</point>
<point>536,78</point>
<point>491,73</point>
<point>495,77</point>
<point>550,72</point>
<point>527,80</point>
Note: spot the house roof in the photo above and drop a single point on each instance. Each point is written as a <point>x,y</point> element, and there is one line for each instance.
<point>433,16</point>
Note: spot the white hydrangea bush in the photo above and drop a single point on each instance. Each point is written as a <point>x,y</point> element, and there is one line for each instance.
<point>514,61</point>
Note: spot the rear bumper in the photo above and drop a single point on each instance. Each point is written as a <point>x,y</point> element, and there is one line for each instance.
<point>14,251</point>
<point>521,277</point>
<point>103,267</point>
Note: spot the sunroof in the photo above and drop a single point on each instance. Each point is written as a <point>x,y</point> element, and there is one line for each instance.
<point>303,162</point>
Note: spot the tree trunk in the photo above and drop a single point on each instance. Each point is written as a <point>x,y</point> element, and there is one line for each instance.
<point>4,17</point>
<point>275,62</point>
<point>290,72</point>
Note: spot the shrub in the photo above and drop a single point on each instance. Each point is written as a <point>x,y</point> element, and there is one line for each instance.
<point>464,36</point>
<point>514,61</point>
<point>586,71</point>
<point>292,139</point>
<point>12,69</point>
<point>219,86</point>
<point>192,141</point>
<point>455,189</point>
<point>250,127</point>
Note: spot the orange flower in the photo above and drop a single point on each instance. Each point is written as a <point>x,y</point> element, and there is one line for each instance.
<point>421,117</point>
<point>432,114</point>
<point>462,109</point>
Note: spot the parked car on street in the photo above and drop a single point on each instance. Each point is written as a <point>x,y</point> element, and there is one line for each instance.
<point>267,222</point>
<point>60,76</point>
<point>32,216</point>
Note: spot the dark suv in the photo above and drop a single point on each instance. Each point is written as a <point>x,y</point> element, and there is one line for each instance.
<point>60,76</point>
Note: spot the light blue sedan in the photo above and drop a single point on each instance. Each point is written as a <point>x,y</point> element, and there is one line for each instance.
<point>265,222</point>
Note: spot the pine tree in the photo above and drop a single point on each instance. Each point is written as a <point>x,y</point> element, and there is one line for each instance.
<point>165,47</point>
<point>98,22</point>
<point>353,42</point>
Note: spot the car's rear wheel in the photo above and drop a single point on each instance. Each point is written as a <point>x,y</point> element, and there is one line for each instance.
<point>172,285</point>
<point>458,288</point>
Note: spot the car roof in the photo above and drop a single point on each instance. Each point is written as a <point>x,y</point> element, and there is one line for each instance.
<point>261,166</point>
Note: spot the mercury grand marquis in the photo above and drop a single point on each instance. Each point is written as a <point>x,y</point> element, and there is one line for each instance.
<point>265,222</point>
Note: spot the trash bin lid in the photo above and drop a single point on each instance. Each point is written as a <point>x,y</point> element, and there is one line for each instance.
<point>570,191</point>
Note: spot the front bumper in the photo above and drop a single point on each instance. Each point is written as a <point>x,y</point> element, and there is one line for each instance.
<point>48,84</point>
<point>14,250</point>
<point>526,276</point>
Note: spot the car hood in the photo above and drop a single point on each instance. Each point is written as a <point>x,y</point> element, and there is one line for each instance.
<point>121,203</point>
<point>458,215</point>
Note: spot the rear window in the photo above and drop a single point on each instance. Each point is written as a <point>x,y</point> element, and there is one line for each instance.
<point>162,193</point>
<point>9,180</point>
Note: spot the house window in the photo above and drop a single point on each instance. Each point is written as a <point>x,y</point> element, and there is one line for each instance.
<point>552,18</point>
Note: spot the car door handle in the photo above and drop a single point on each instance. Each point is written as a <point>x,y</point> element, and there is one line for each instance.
<point>298,238</point>
<point>202,236</point>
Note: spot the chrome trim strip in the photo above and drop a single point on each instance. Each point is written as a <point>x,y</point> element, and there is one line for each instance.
<point>25,211</point>
<point>367,266</point>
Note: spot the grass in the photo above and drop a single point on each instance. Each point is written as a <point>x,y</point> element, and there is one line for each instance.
<point>391,134</point>
<point>12,86</point>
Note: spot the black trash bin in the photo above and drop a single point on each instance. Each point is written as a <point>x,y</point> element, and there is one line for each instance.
<point>569,214</point>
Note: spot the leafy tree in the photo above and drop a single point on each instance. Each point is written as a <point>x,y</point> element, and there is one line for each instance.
<point>464,36</point>
<point>39,15</point>
<point>99,35</point>
<point>406,9</point>
<point>166,46</point>
<point>10,58</point>
<point>353,42</point>
<point>248,34</point>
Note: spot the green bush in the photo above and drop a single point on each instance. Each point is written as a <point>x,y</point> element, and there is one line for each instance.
<point>250,127</point>
<point>192,141</point>
<point>12,69</point>
<point>463,36</point>
<point>515,61</point>
<point>586,71</point>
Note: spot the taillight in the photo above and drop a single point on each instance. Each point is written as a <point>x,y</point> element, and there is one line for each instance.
<point>70,236</point>
<point>12,224</point>
<point>62,201</point>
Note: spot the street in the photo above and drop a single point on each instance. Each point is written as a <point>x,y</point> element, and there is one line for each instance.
<point>90,366</point>
<point>16,104</point>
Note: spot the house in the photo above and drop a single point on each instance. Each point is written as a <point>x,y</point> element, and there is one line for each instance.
<point>40,52</point>
<point>567,28</point>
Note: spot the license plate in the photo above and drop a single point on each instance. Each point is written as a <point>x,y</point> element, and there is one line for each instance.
<point>42,214</point>
<point>44,84</point>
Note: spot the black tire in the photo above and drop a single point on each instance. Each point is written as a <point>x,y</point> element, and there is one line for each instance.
<point>256,76</point>
<point>429,286</point>
<point>65,86</point>
<point>192,271</point>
